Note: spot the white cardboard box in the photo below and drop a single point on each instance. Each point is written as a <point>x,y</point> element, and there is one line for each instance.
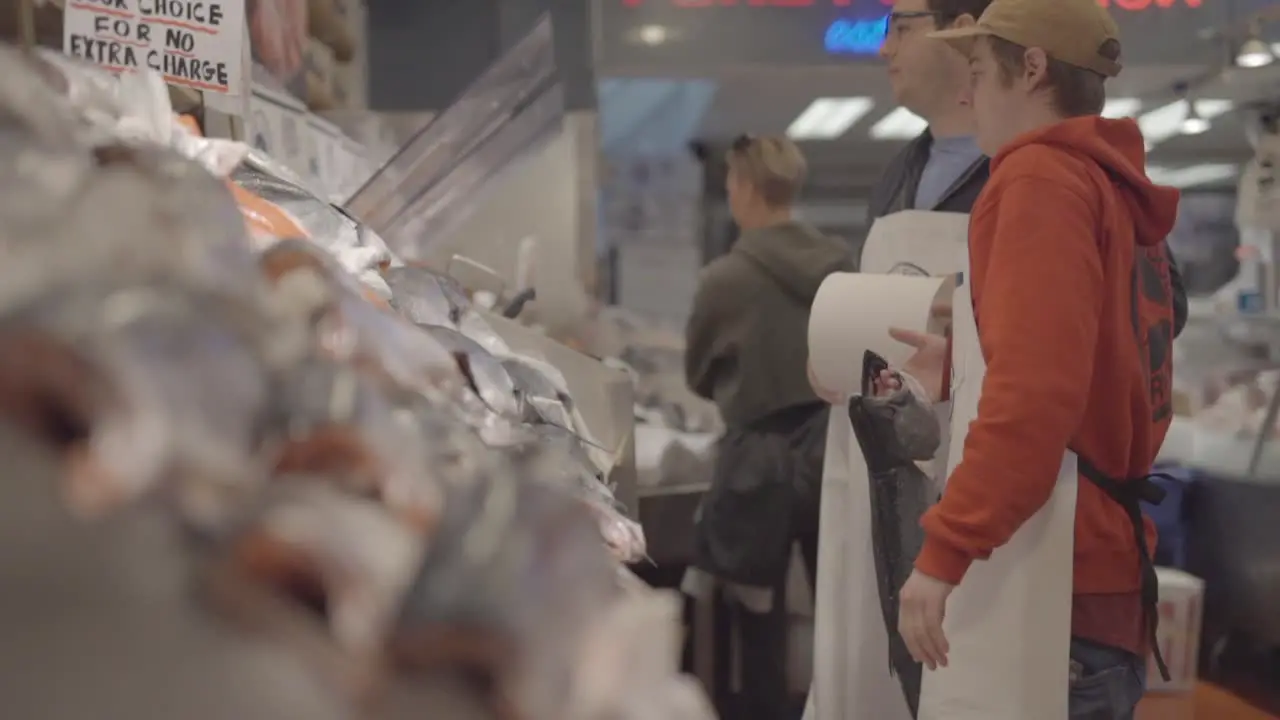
<point>1180,610</point>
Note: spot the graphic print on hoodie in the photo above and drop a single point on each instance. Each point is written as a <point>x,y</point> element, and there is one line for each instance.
<point>1073,303</point>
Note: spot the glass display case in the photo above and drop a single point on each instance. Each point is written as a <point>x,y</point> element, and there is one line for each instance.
<point>433,181</point>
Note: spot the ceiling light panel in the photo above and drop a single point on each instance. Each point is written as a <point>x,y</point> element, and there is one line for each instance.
<point>1166,121</point>
<point>1193,175</point>
<point>1121,107</point>
<point>829,118</point>
<point>901,124</point>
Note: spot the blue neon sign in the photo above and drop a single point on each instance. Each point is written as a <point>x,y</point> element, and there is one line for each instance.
<point>856,37</point>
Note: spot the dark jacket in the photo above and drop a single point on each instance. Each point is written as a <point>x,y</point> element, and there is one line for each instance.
<point>747,351</point>
<point>748,335</point>
<point>896,191</point>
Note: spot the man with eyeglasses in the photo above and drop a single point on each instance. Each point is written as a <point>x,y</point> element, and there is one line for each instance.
<point>942,169</point>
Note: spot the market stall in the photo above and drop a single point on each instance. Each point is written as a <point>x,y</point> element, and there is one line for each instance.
<point>1218,521</point>
<point>260,467</point>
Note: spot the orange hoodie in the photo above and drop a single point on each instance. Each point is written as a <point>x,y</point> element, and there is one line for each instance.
<point>1073,301</point>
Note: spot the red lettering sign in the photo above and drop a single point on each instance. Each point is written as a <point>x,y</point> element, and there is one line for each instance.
<point>1129,5</point>
<point>1146,4</point>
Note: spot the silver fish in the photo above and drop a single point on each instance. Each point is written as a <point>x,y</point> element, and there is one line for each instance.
<point>137,384</point>
<point>505,592</point>
<point>144,212</point>
<point>425,297</point>
<point>100,618</point>
<point>339,423</point>
<point>326,225</point>
<point>331,553</point>
<point>309,283</point>
<point>487,374</point>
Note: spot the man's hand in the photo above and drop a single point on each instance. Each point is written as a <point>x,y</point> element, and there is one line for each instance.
<point>830,396</point>
<point>922,604</point>
<point>929,360</point>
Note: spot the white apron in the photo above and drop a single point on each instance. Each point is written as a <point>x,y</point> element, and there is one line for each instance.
<point>995,673</point>
<point>1009,621</point>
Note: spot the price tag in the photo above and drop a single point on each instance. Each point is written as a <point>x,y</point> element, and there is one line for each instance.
<point>326,143</point>
<point>263,127</point>
<point>277,123</point>
<point>356,171</point>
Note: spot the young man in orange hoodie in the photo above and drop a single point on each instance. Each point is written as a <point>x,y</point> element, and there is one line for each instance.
<point>1072,296</point>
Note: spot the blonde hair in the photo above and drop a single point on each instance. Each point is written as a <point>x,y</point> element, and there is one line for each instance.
<point>774,166</point>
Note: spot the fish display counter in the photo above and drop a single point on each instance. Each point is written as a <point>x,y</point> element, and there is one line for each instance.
<point>258,467</point>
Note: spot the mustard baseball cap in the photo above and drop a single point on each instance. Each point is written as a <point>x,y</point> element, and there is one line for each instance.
<point>1077,32</point>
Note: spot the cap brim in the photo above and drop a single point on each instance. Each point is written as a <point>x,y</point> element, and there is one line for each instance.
<point>960,38</point>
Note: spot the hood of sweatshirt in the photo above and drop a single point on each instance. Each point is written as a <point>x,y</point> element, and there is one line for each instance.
<point>796,255</point>
<point>1117,146</point>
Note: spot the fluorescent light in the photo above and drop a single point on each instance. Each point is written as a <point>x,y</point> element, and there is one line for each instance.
<point>1191,176</point>
<point>901,124</point>
<point>652,34</point>
<point>1166,121</point>
<point>829,118</point>
<point>1194,125</point>
<point>1121,107</point>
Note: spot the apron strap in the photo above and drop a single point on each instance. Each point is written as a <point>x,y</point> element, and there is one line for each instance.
<point>1130,494</point>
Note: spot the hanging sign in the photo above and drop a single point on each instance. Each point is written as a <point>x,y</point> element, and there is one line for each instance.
<point>196,43</point>
<point>856,37</point>
<point>660,37</point>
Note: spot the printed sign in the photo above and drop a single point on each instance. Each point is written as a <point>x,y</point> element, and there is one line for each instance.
<point>196,43</point>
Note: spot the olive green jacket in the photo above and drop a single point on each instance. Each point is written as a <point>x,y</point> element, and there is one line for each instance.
<point>747,338</point>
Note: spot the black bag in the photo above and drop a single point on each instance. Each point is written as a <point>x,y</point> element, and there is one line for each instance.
<point>765,489</point>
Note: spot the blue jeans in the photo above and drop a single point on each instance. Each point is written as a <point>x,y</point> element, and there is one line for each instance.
<point>1106,683</point>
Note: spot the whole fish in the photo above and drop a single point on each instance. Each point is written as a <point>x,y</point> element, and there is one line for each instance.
<point>504,594</point>
<point>488,376</point>
<point>101,619</point>
<point>325,224</point>
<point>307,282</point>
<point>72,206</point>
<point>895,432</point>
<point>145,212</point>
<point>543,400</point>
<point>425,297</point>
<point>338,423</point>
<point>341,557</point>
<point>138,384</point>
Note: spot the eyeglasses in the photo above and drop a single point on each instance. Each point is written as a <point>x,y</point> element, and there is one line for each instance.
<point>742,143</point>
